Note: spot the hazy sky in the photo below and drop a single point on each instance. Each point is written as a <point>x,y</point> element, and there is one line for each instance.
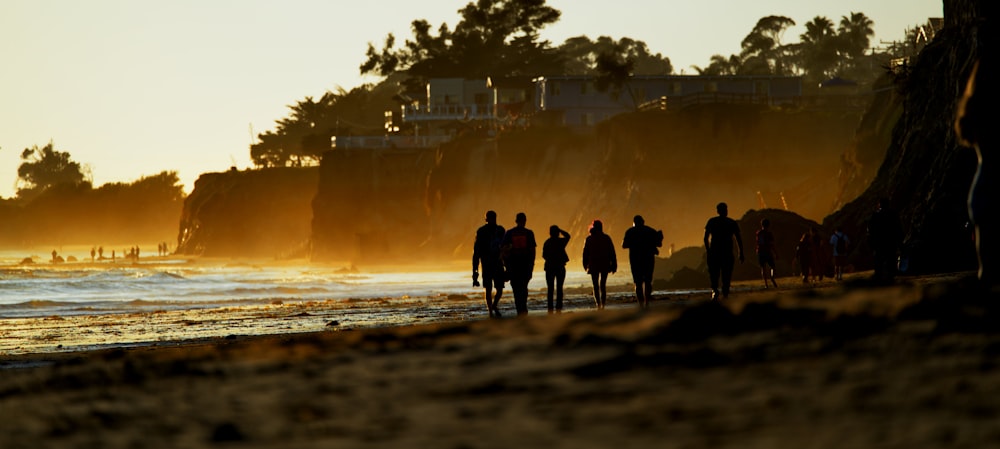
<point>131,88</point>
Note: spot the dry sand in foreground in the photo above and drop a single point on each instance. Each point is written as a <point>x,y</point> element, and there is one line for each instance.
<point>912,365</point>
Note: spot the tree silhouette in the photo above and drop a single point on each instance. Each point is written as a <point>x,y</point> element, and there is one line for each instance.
<point>855,33</point>
<point>304,135</point>
<point>762,50</point>
<point>493,38</point>
<point>614,72</point>
<point>721,65</point>
<point>43,168</point>
<point>818,51</point>
<point>581,56</point>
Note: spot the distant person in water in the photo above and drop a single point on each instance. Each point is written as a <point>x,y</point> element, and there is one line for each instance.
<point>642,242</point>
<point>975,124</point>
<point>841,244</point>
<point>884,236</point>
<point>518,249</point>
<point>720,231</point>
<point>599,259</point>
<point>767,252</point>
<point>554,253</point>
<point>486,254</point>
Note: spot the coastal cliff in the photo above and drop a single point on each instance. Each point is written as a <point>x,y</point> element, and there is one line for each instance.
<point>925,174</point>
<point>259,213</point>
<point>419,206</point>
<point>422,206</point>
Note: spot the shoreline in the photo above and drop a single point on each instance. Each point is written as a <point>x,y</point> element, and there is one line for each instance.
<point>848,365</point>
<point>52,335</point>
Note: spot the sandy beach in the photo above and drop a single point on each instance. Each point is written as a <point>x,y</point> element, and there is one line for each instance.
<point>840,365</point>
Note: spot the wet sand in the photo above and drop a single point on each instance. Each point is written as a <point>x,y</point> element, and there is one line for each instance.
<point>910,365</point>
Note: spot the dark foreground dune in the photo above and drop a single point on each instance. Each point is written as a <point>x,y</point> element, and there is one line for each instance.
<point>913,365</point>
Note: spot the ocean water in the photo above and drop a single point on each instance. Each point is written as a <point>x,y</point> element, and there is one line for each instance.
<point>44,289</point>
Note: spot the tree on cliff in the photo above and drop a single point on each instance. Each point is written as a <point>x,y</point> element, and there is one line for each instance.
<point>822,52</point>
<point>855,33</point>
<point>581,56</point>
<point>304,135</point>
<point>818,52</point>
<point>762,50</point>
<point>493,38</point>
<point>825,52</point>
<point>45,167</point>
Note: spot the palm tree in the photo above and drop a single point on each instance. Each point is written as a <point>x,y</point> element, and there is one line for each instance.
<point>856,32</point>
<point>854,35</point>
<point>818,49</point>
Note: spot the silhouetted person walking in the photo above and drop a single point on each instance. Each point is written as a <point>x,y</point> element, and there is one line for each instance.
<point>642,242</point>
<point>841,244</point>
<point>599,259</point>
<point>804,256</point>
<point>975,124</point>
<point>767,252</point>
<point>720,231</point>
<point>554,253</point>
<point>518,248</point>
<point>884,236</point>
<point>820,255</point>
<point>486,253</point>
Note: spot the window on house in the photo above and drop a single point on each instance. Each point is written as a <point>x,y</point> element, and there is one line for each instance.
<point>711,86</point>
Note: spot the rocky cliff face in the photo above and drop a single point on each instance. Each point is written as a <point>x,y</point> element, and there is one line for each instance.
<point>925,173</point>
<point>260,213</point>
<point>419,206</point>
<point>416,207</point>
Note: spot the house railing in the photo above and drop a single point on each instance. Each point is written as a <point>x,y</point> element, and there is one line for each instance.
<point>413,113</point>
<point>813,102</point>
<point>388,141</point>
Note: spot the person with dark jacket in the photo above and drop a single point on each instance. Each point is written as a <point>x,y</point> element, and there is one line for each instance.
<point>554,254</point>
<point>486,253</point>
<point>767,252</point>
<point>518,249</point>
<point>599,259</point>
<point>642,242</point>
<point>720,231</point>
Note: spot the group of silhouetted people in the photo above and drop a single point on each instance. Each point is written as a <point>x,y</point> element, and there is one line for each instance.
<point>501,255</point>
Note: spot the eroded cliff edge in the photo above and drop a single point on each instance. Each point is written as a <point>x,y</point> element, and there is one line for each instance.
<point>413,207</point>
<point>257,213</point>
<point>423,206</point>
